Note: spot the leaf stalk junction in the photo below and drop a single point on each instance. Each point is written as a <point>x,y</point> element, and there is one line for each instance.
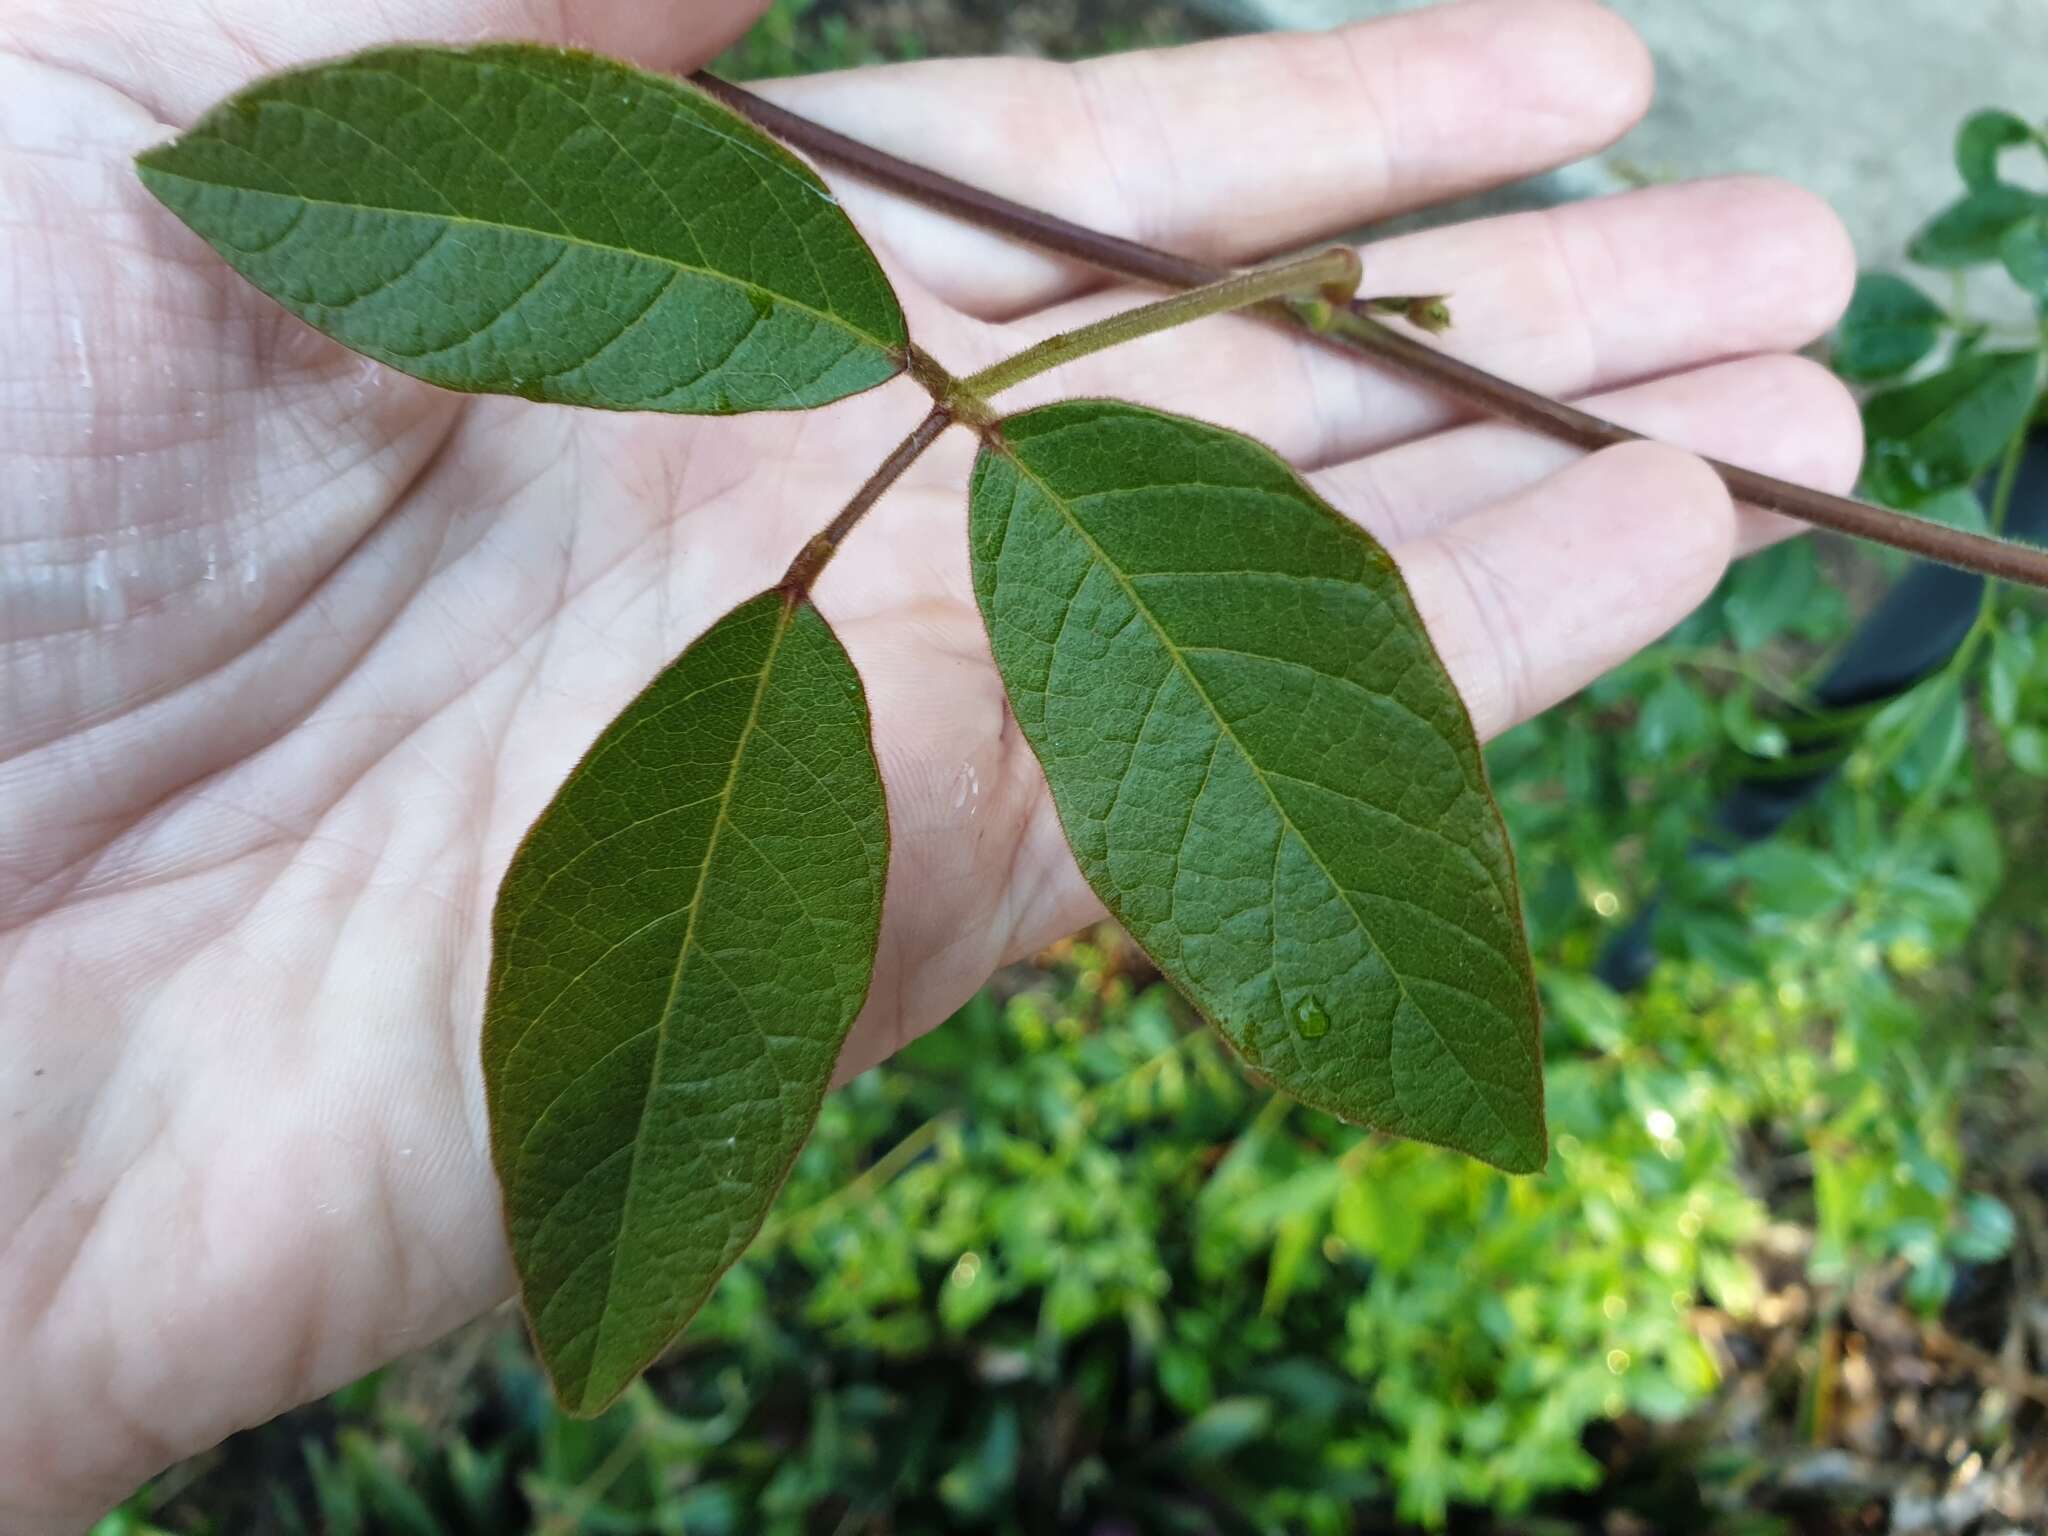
<point>1328,279</point>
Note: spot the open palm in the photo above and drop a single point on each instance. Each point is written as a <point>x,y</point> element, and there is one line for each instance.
<point>292,648</point>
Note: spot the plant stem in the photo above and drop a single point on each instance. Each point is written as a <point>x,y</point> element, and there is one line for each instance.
<point>2003,489</point>
<point>2008,477</point>
<point>781,1229</point>
<point>1359,333</point>
<point>1333,274</point>
<point>1915,535</point>
<point>814,556</point>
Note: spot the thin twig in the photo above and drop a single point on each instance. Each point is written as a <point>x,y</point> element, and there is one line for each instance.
<point>1335,270</point>
<point>812,558</point>
<point>1358,332</point>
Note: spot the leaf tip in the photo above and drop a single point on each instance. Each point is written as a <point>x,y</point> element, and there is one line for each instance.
<point>157,169</point>
<point>596,1397</point>
<point>1528,1142</point>
<point>583,1383</point>
<point>1525,1156</point>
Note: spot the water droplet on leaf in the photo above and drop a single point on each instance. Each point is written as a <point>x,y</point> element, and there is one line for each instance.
<point>1310,1022</point>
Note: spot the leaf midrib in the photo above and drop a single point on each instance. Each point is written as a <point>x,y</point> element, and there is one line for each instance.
<point>1258,772</point>
<point>785,615</point>
<point>889,348</point>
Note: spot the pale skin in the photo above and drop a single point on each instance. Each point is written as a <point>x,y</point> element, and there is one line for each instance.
<point>292,649</point>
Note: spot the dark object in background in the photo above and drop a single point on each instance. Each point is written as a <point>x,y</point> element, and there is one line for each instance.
<point>1911,635</point>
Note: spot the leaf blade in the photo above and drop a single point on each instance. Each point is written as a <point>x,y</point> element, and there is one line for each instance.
<point>1967,232</point>
<point>1984,137</point>
<point>660,1033</point>
<point>1945,430</point>
<point>2024,250</point>
<point>522,220</point>
<point>1889,327</point>
<point>1150,586</point>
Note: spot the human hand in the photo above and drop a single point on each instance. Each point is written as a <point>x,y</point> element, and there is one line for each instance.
<point>293,648</point>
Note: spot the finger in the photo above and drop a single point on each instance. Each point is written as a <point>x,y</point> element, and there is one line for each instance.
<point>1567,301</point>
<point>1233,149</point>
<point>1533,598</point>
<point>178,57</point>
<point>1782,416</point>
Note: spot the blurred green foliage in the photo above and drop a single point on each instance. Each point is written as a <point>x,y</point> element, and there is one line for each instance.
<point>802,37</point>
<point>1059,1266</point>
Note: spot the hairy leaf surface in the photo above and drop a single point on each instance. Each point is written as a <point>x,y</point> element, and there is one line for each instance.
<point>511,219</point>
<point>1262,766</point>
<point>679,950</point>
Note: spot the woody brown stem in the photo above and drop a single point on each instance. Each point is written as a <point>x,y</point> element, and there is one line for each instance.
<point>814,556</point>
<point>1353,328</point>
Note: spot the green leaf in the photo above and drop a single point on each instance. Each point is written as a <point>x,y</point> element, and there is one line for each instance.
<point>679,949</point>
<point>1184,1377</point>
<point>1588,1008</point>
<point>1937,749</point>
<point>1793,882</point>
<point>1221,1430</point>
<point>2012,663</point>
<point>1984,1231</point>
<point>1890,326</point>
<point>1769,592</point>
<point>982,1479</point>
<point>1983,137</point>
<point>1749,730</point>
<point>2027,746</point>
<point>1967,232</point>
<point>1674,719</point>
<point>510,219</point>
<point>1957,507</point>
<point>1262,766</point>
<point>2024,250</point>
<point>1946,430</point>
